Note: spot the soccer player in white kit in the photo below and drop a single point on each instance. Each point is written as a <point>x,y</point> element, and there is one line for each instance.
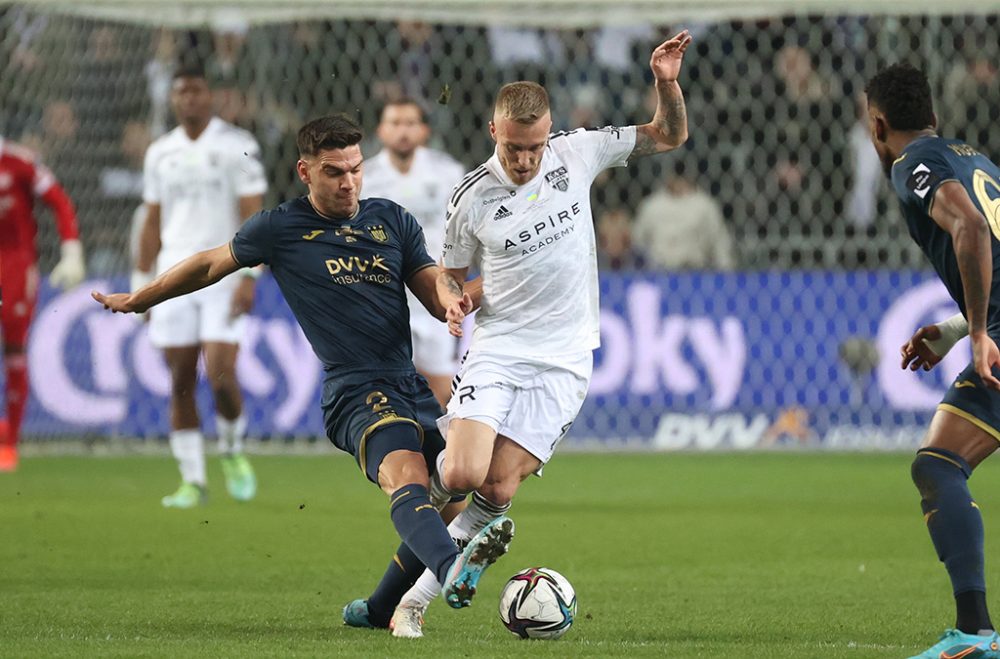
<point>524,220</point>
<point>421,180</point>
<point>201,180</point>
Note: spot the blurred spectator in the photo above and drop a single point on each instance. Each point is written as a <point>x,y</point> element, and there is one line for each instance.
<point>681,228</point>
<point>229,34</point>
<point>862,200</point>
<point>614,242</point>
<point>124,178</point>
<point>159,72</point>
<point>971,103</point>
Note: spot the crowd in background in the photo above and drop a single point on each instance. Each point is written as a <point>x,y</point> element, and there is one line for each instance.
<point>778,171</point>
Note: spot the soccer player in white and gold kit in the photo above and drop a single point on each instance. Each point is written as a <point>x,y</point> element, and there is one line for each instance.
<point>523,220</point>
<point>201,180</point>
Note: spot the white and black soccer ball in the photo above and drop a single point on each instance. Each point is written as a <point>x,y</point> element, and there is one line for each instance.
<point>538,603</point>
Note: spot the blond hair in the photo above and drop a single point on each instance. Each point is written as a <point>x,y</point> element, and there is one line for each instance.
<point>524,102</point>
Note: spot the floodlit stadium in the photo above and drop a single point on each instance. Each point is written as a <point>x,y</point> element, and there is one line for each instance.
<point>737,481</point>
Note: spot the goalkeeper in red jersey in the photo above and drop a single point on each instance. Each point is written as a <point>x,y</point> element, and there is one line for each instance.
<point>22,179</point>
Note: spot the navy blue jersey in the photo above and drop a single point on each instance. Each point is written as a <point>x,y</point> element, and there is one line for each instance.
<point>924,165</point>
<point>343,279</point>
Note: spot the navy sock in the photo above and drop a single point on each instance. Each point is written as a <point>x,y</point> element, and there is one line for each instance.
<point>956,528</point>
<point>399,577</point>
<point>422,529</point>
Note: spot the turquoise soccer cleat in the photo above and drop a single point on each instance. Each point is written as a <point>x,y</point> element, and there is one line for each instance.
<point>482,551</point>
<point>188,495</point>
<point>958,645</point>
<point>241,482</point>
<point>356,614</point>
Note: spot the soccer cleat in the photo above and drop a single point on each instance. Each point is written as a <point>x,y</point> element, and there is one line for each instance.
<point>241,483</point>
<point>188,495</point>
<point>356,614</point>
<point>482,551</point>
<point>958,645</point>
<point>408,620</point>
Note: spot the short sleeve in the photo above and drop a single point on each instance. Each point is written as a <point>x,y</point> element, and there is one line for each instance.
<point>602,148</point>
<point>917,176</point>
<point>249,171</point>
<point>42,179</point>
<point>253,244</point>
<point>414,246</point>
<point>150,187</point>
<point>459,240</point>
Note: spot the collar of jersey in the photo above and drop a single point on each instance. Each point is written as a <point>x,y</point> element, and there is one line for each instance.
<point>333,219</point>
<point>493,164</point>
<point>918,140</point>
<point>211,127</point>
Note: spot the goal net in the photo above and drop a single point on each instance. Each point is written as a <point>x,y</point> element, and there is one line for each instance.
<point>784,332</point>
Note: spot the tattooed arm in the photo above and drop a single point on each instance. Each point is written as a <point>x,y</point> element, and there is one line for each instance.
<point>668,128</point>
<point>457,302</point>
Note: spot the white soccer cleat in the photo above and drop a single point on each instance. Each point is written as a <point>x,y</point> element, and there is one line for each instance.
<point>408,620</point>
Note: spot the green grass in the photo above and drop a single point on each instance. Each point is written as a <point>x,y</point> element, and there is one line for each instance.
<point>738,555</point>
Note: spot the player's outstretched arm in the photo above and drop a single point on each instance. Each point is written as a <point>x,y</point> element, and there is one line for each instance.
<point>954,212</point>
<point>192,274</point>
<point>668,128</point>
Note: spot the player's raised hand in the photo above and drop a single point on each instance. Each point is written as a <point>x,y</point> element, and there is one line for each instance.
<point>118,302</point>
<point>917,352</point>
<point>666,58</point>
<point>985,356</point>
<point>456,312</point>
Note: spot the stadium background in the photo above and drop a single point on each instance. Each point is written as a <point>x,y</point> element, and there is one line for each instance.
<point>792,340</point>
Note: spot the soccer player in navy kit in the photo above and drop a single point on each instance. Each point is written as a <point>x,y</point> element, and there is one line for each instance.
<point>341,262</point>
<point>950,198</point>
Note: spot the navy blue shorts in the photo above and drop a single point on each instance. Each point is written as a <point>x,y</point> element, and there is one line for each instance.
<point>354,413</point>
<point>969,398</point>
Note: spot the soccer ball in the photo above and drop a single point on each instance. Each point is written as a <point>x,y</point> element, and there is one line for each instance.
<point>538,603</point>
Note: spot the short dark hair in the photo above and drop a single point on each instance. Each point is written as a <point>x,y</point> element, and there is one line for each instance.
<point>190,69</point>
<point>902,92</point>
<point>334,131</point>
<point>403,101</point>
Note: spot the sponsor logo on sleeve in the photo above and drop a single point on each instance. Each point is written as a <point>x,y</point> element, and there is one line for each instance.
<point>922,180</point>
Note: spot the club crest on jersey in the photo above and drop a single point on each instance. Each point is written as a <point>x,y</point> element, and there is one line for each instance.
<point>378,232</point>
<point>558,179</point>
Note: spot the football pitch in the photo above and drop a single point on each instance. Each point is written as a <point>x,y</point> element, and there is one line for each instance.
<point>672,555</point>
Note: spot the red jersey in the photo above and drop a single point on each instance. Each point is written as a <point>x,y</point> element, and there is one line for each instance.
<point>22,179</point>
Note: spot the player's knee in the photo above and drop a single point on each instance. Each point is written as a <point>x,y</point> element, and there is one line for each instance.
<point>499,491</point>
<point>934,468</point>
<point>463,475</point>
<point>402,467</point>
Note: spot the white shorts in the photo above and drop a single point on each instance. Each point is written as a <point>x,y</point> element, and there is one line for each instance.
<point>195,318</point>
<point>533,404</point>
<point>435,351</point>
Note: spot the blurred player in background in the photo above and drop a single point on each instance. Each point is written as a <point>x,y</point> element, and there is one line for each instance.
<point>523,219</point>
<point>950,198</point>
<point>200,181</point>
<point>22,179</point>
<point>420,180</point>
<point>342,264</point>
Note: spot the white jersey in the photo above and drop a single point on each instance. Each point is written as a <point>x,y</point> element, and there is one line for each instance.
<point>534,246</point>
<point>423,190</point>
<point>198,184</point>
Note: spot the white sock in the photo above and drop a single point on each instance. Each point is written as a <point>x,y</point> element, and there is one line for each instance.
<point>463,528</point>
<point>231,433</point>
<point>188,447</point>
